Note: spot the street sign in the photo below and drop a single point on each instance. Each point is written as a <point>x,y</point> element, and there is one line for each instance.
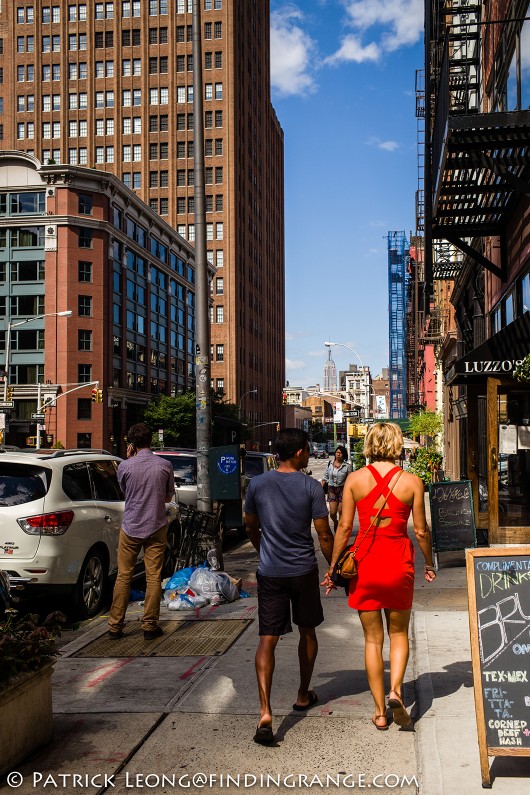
<point>7,404</point>
<point>38,417</point>
<point>352,413</point>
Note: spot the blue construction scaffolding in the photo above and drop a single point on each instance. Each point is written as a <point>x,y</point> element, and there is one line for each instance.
<point>398,282</point>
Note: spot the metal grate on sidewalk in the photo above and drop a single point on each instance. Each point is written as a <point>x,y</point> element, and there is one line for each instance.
<point>180,639</point>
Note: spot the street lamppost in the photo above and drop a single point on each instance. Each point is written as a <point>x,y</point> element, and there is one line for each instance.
<point>341,345</point>
<point>250,392</point>
<point>10,326</point>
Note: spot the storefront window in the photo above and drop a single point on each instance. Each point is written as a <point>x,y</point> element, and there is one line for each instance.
<point>514,458</point>
<point>525,292</point>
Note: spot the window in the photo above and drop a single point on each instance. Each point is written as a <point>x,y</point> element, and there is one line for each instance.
<point>84,271</point>
<point>84,306</point>
<point>219,286</point>
<point>219,314</point>
<point>85,203</point>
<point>218,175</point>
<point>164,206</point>
<point>219,203</point>
<point>85,235</point>
<point>84,373</point>
<point>220,386</point>
<point>84,440</point>
<point>218,90</point>
<point>84,340</point>
<point>218,30</point>
<point>219,230</point>
<point>218,118</point>
<point>208,91</point>
<point>219,147</point>
<point>525,293</point>
<point>218,60</point>
<point>219,258</point>
<point>207,30</point>
<point>84,412</point>
<point>219,353</point>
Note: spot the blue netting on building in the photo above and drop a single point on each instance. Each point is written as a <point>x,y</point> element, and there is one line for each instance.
<point>398,278</point>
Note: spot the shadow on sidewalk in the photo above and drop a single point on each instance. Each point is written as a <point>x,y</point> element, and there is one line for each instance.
<point>431,687</point>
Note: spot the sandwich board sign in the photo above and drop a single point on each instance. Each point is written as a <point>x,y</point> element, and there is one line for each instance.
<point>498,589</point>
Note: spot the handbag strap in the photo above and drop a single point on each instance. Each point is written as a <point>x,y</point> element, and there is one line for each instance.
<point>379,512</point>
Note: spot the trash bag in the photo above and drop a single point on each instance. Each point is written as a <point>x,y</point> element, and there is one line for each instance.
<point>209,583</point>
<point>180,578</point>
<point>185,602</point>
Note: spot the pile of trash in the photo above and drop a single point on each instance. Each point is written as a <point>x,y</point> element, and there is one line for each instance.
<point>197,586</point>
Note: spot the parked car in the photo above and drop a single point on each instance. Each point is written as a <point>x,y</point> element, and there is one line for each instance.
<point>184,463</point>
<point>258,463</point>
<point>322,450</point>
<point>60,518</point>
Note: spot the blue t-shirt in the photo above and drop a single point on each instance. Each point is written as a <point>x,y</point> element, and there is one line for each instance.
<point>285,503</point>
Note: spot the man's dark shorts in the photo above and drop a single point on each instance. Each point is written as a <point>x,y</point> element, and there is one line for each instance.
<point>277,594</point>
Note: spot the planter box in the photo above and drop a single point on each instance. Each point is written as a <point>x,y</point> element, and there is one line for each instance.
<point>26,710</point>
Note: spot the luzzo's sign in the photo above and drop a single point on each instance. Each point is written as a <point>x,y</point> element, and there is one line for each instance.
<point>492,366</point>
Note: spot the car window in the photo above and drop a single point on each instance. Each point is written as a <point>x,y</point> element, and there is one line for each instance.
<point>184,469</point>
<point>253,465</point>
<point>105,480</point>
<point>76,482</point>
<point>21,484</point>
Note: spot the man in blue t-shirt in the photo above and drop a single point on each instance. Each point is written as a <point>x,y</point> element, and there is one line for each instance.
<point>283,502</point>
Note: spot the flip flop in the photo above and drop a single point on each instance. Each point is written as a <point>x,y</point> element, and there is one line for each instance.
<point>264,735</point>
<point>399,713</point>
<point>380,728</point>
<point>313,698</point>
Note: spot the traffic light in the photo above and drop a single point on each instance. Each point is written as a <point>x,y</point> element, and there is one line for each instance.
<point>94,395</point>
<point>9,393</point>
<point>277,427</point>
<point>284,398</point>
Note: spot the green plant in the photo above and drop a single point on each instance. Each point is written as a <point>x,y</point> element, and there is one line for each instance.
<point>522,371</point>
<point>26,645</point>
<point>425,423</point>
<point>427,460</point>
<point>358,459</point>
<point>58,445</point>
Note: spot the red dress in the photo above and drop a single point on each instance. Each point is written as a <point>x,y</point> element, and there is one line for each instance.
<point>385,560</point>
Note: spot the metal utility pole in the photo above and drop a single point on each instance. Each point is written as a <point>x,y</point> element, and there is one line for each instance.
<point>202,319</point>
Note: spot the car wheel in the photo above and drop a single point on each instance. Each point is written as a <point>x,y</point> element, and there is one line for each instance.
<point>91,584</point>
<point>172,550</point>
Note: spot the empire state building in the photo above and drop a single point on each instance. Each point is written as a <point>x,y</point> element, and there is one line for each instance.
<point>330,375</point>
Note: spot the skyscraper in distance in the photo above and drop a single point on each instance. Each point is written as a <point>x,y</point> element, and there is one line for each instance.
<point>330,374</point>
<point>109,85</point>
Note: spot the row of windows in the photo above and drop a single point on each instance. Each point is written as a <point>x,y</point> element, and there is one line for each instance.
<point>105,39</point>
<point>129,67</point>
<point>52,14</point>
<point>219,353</point>
<point>187,204</point>
<point>188,233</point>
<point>512,305</point>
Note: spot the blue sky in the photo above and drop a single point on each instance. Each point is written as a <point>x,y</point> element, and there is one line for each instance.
<point>343,81</point>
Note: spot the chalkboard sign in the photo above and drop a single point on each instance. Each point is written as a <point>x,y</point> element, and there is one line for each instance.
<point>452,517</point>
<point>498,583</point>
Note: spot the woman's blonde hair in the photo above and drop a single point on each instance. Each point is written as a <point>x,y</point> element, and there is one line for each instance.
<point>383,442</point>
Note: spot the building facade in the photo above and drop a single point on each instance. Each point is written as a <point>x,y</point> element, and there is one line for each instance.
<point>330,374</point>
<point>77,240</point>
<point>109,85</point>
<point>476,190</point>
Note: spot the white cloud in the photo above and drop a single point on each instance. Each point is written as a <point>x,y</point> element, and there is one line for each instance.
<point>393,23</point>
<point>291,49</point>
<point>294,364</point>
<point>388,146</point>
<point>319,354</point>
<point>351,49</point>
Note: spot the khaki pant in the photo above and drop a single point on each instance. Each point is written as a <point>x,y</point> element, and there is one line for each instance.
<point>128,549</point>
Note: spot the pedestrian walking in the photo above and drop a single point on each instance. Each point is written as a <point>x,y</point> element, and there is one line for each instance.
<point>333,483</point>
<point>147,483</point>
<point>282,503</point>
<point>384,495</point>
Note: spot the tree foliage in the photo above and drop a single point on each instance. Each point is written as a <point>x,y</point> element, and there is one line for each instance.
<point>176,416</point>
<point>358,460</point>
<point>425,423</point>
<point>425,463</point>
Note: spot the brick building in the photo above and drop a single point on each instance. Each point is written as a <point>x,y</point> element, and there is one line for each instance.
<point>77,239</point>
<point>110,85</point>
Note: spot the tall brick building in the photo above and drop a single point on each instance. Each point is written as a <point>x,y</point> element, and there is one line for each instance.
<point>109,85</point>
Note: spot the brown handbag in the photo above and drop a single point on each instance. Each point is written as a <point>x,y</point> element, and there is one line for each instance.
<point>346,566</point>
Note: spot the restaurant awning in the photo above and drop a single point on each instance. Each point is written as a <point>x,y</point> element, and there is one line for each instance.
<point>497,356</point>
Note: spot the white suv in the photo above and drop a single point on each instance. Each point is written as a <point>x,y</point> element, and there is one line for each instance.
<point>60,518</point>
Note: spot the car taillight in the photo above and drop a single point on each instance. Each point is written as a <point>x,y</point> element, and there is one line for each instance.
<point>48,524</point>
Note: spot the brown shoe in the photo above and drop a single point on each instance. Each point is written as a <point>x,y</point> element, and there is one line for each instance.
<point>151,634</point>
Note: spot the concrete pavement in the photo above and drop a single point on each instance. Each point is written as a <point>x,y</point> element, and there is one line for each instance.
<point>155,723</point>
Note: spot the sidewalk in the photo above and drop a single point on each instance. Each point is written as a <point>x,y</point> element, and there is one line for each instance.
<point>135,719</point>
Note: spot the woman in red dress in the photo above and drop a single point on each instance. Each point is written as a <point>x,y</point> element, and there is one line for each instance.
<point>385,560</point>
